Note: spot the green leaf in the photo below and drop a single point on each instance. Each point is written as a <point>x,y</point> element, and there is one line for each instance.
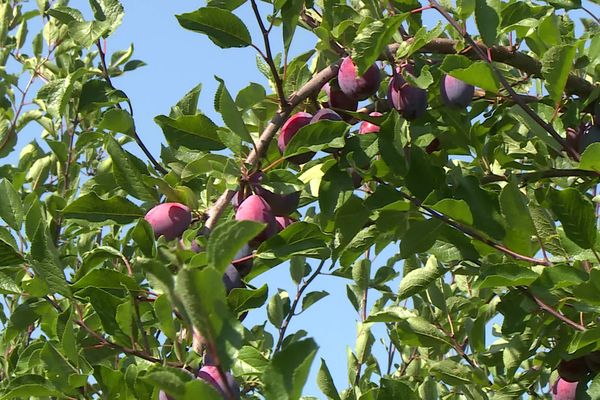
<point>420,236</point>
<point>452,372</point>
<point>164,313</point>
<point>172,380</point>
<point>519,225</point>
<point>317,136</point>
<point>106,279</point>
<point>349,219</point>
<point>188,105</point>
<point>227,239</point>
<point>590,159</point>
<point>45,263</point>
<point>127,172</point>
<point>487,19</point>
<point>420,39</point>
<point>311,298</point>
<point>116,120</point>
<point>241,300</point>
<point>11,205</point>
<point>419,279</point>
<point>326,383</point>
<point>372,39</point>
<point>7,284</point>
<point>143,236</point>
<point>576,214</point>
<point>557,63</point>
<point>223,27</point>
<point>476,73</point>
<point>232,117</point>
<point>423,176</point>
<point>195,132</point>
<point>287,372</point>
<point>290,12</point>
<point>86,33</point>
<point>505,275</point>
<point>275,308</point>
<point>458,210</point>
<point>92,208</point>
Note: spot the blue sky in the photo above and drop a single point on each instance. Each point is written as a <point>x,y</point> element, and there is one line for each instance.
<point>178,60</point>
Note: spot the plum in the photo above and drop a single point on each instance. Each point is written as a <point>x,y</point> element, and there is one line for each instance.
<point>281,204</point>
<point>456,93</point>
<point>245,266</point>
<point>368,127</point>
<point>409,101</point>
<point>434,145</point>
<point>169,219</point>
<point>283,222</point>
<point>255,208</point>
<point>591,134</point>
<point>358,87</point>
<point>337,99</point>
<point>210,374</point>
<point>288,130</point>
<point>563,390</point>
<point>232,278</point>
<point>326,113</point>
<point>573,370</point>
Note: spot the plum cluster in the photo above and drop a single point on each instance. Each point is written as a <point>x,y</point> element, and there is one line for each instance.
<point>571,372</point>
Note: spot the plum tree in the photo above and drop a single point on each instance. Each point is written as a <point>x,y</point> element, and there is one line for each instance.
<point>255,208</point>
<point>456,93</point>
<point>368,127</point>
<point>169,219</point>
<point>573,370</point>
<point>408,100</point>
<point>358,87</point>
<point>210,374</point>
<point>288,130</point>
<point>564,390</point>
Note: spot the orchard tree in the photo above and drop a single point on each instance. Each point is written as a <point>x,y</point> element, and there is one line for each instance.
<point>466,151</point>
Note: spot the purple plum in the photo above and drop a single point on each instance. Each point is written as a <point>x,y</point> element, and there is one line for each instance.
<point>288,130</point>
<point>283,222</point>
<point>245,266</point>
<point>456,93</point>
<point>210,374</point>
<point>358,87</point>
<point>573,370</point>
<point>409,101</point>
<point>281,204</point>
<point>325,113</point>
<point>232,278</point>
<point>169,219</point>
<point>563,390</point>
<point>433,146</point>
<point>338,100</point>
<point>591,134</point>
<point>255,208</point>
<point>368,127</point>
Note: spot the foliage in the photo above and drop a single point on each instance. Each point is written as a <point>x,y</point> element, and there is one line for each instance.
<point>491,211</point>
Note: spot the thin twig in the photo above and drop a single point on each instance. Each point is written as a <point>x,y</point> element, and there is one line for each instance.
<point>545,307</point>
<point>292,311</point>
<point>137,138</point>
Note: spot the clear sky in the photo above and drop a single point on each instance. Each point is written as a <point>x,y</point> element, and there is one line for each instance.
<point>177,61</point>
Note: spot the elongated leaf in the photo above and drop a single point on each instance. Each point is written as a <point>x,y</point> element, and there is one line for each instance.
<point>476,73</point>
<point>576,214</point>
<point>419,279</point>
<point>92,208</point>
<point>231,115</point>
<point>11,206</point>
<point>9,255</point>
<point>228,239</point>
<point>223,27</point>
<point>556,66</point>
<point>127,172</point>
<point>289,16</point>
<point>372,39</point>
<point>326,383</point>
<point>487,19</point>
<point>317,136</point>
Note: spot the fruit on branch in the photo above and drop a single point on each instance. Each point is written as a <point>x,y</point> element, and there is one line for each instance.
<point>358,87</point>
<point>325,113</point>
<point>338,100</point>
<point>590,134</point>
<point>232,278</point>
<point>210,374</point>
<point>255,208</point>
<point>409,101</point>
<point>169,219</point>
<point>288,130</point>
<point>563,390</point>
<point>433,146</point>
<point>281,204</point>
<point>573,370</point>
<point>368,127</point>
<point>456,93</point>
<point>283,222</point>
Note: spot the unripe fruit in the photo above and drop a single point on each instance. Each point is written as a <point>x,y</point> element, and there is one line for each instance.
<point>409,101</point>
<point>325,113</point>
<point>283,222</point>
<point>368,127</point>
<point>210,374</point>
<point>573,370</point>
<point>358,87</point>
<point>255,208</point>
<point>169,219</point>
<point>232,278</point>
<point>337,99</point>
<point>281,204</point>
<point>288,130</point>
<point>456,93</point>
<point>563,390</point>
